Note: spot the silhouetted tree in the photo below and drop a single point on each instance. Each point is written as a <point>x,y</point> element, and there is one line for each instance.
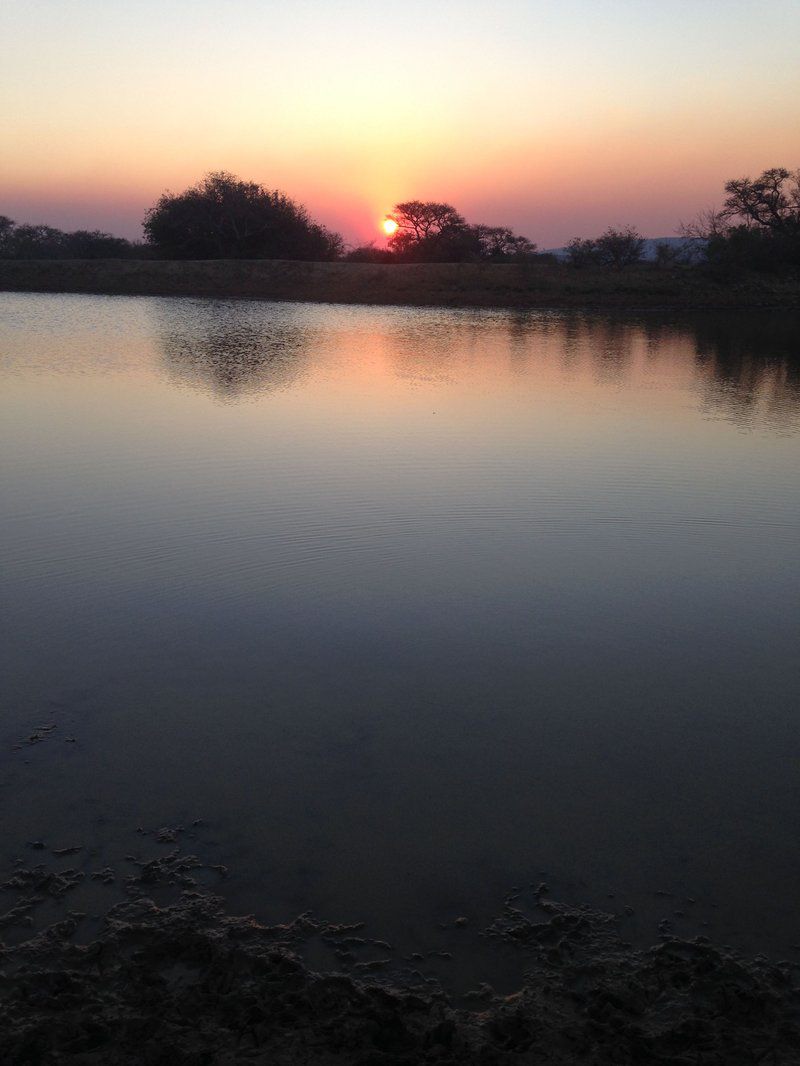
<point>368,253</point>
<point>707,224</point>
<point>668,256</point>
<point>758,226</point>
<point>743,247</point>
<point>501,243</point>
<point>421,219</point>
<point>429,231</point>
<point>582,252</point>
<point>616,248</point>
<point>620,248</point>
<point>94,244</point>
<point>36,242</point>
<point>46,242</point>
<point>426,230</point>
<point>6,230</point>
<point>771,201</point>
<point>223,217</point>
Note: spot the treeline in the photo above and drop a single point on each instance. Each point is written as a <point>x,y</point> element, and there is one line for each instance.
<point>223,217</point>
<point>46,242</point>
<point>757,228</point>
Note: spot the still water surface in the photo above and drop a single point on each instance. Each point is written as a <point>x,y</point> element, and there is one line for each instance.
<point>409,604</point>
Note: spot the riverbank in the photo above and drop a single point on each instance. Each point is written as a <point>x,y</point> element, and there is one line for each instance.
<point>171,975</point>
<point>508,285</point>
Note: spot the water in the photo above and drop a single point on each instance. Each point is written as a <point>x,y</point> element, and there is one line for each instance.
<point>409,605</point>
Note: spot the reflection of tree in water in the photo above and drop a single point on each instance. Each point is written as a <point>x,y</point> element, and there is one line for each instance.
<point>611,342</point>
<point>435,346</point>
<point>744,365</point>
<point>232,349</point>
<point>440,346</point>
<point>750,365</point>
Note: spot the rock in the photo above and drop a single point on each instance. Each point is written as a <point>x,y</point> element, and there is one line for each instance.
<point>184,981</point>
<point>107,875</point>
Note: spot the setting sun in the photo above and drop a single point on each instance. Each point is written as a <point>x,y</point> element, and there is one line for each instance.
<point>390,227</point>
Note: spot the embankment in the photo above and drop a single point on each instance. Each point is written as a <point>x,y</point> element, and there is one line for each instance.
<point>417,284</point>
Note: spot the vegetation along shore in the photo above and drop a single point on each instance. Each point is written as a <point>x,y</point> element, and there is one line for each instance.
<point>513,285</point>
<point>225,237</point>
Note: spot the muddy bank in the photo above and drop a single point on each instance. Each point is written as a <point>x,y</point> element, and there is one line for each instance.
<point>418,284</point>
<point>167,974</point>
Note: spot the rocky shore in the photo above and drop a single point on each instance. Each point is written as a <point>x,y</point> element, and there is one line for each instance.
<point>166,974</point>
<point>530,285</point>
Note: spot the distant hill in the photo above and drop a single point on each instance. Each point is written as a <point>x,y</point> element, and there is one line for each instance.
<point>650,244</point>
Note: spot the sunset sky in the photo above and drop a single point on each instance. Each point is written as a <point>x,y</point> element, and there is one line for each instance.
<point>557,119</point>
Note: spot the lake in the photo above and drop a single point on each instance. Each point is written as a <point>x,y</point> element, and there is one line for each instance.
<point>405,607</point>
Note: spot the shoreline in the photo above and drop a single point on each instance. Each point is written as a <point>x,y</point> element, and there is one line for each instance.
<point>168,970</point>
<point>526,286</point>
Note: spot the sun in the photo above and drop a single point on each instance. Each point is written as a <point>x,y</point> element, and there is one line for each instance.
<point>390,227</point>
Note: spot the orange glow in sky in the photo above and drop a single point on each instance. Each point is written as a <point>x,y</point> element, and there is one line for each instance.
<point>557,120</point>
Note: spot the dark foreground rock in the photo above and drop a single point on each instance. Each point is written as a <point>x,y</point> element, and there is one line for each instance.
<point>184,982</point>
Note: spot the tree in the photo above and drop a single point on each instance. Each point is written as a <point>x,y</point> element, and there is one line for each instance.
<point>616,248</point>
<point>620,248</point>
<point>423,219</point>
<point>758,226</point>
<point>429,231</point>
<point>669,256</point>
<point>771,201</point>
<point>36,242</point>
<point>94,244</point>
<point>501,243</point>
<point>426,230</point>
<point>223,217</point>
<point>6,231</point>
<point>582,252</point>
<point>47,242</point>
<point>707,224</point>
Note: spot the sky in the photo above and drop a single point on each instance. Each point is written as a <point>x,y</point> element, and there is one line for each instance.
<point>555,118</point>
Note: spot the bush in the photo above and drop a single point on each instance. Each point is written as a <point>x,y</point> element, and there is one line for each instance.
<point>616,248</point>
<point>744,248</point>
<point>368,253</point>
<point>223,217</point>
<point>684,254</point>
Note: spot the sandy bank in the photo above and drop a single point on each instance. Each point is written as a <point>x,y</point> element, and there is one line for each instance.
<point>425,284</point>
